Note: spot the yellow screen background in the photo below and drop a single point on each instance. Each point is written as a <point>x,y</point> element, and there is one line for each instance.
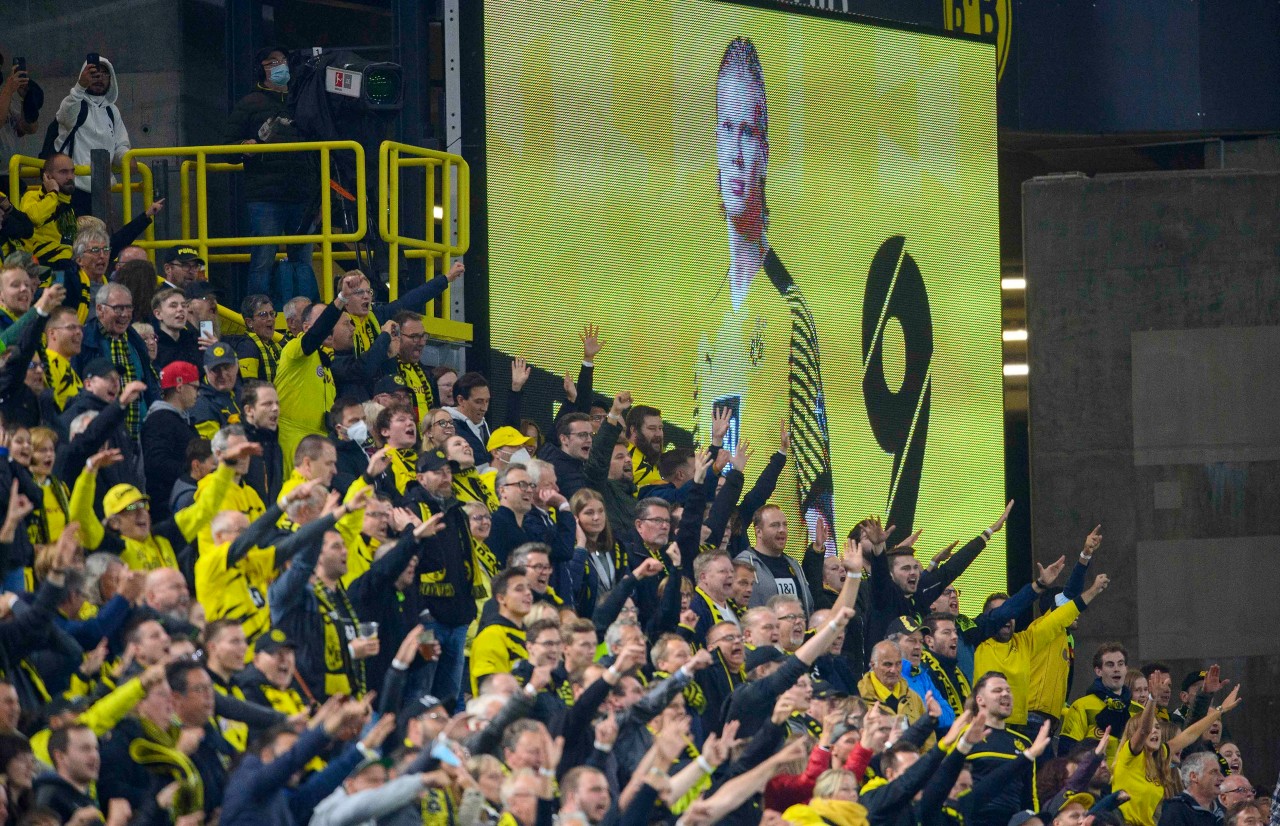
<point>603,208</point>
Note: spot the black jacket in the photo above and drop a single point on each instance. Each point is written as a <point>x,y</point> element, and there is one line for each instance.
<point>445,563</point>
<point>185,348</point>
<point>166,432</point>
<point>1183,810</point>
<point>282,177</point>
<point>106,430</point>
<point>51,791</point>
<point>570,471</point>
<point>19,405</point>
<point>266,472</point>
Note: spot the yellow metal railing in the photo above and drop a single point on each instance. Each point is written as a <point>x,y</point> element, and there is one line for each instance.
<point>325,237</point>
<point>185,171</point>
<point>437,241</point>
<point>22,167</point>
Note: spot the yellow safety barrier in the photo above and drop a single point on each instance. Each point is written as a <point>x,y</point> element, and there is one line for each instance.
<point>26,167</point>
<point>433,244</point>
<point>325,237</point>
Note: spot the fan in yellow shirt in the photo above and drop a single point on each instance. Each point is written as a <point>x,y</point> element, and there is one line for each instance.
<point>304,374</point>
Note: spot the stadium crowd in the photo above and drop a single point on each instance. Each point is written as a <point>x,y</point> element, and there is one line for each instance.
<point>298,576</point>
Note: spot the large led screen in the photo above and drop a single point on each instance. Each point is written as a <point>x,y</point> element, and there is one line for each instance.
<point>789,215</point>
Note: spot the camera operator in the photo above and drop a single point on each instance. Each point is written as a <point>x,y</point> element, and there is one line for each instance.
<point>278,187</point>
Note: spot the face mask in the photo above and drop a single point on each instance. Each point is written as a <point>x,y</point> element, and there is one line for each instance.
<point>358,432</point>
<point>280,74</point>
<point>520,457</point>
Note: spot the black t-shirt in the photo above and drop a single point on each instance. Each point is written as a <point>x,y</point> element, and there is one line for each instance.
<point>782,575</point>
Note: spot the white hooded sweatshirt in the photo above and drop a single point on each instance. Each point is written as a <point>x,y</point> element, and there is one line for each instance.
<point>103,127</point>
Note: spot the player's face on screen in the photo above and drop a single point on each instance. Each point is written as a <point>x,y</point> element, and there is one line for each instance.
<point>742,151</point>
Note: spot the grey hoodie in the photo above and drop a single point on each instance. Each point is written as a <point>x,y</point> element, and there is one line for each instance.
<point>342,809</point>
<point>100,129</point>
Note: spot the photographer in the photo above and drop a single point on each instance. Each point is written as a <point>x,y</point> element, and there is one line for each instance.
<point>20,100</point>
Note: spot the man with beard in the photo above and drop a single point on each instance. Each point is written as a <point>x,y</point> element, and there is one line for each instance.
<point>166,594</point>
<point>89,119</point>
<point>995,697</point>
<point>1010,654</point>
<point>899,584</point>
<point>645,434</point>
<point>50,210</point>
<point>260,405</point>
<point>584,793</point>
<point>942,640</point>
<point>1106,705</point>
<point>407,364</point>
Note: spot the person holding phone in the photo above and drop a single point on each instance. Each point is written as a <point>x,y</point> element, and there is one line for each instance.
<point>89,119</point>
<point>19,109</point>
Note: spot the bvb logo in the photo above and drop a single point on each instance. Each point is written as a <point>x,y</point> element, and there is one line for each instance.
<point>988,18</point>
<point>755,351</point>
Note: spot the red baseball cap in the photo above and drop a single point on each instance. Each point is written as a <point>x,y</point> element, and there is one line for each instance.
<point>178,373</point>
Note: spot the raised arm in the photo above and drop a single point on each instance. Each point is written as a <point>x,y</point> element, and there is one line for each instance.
<point>1196,730</point>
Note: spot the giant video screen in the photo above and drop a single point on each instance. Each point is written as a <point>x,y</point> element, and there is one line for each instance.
<point>789,215</point>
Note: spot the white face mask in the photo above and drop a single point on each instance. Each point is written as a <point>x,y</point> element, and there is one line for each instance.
<point>358,432</point>
<point>520,457</point>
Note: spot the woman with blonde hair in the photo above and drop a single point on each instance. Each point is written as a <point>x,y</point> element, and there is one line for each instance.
<point>1144,761</point>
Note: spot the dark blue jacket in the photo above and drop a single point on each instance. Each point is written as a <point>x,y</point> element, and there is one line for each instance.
<point>258,795</point>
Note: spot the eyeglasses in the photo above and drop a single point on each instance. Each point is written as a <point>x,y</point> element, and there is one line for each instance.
<point>483,517</point>
<point>119,308</point>
<point>96,250</point>
<point>581,434</point>
<point>597,417</point>
<point>436,715</point>
<point>362,293</point>
<point>444,424</point>
<point>188,265</point>
<point>521,485</point>
<point>272,63</point>
<point>951,592</point>
<point>265,314</point>
<point>726,638</point>
<point>136,506</point>
<point>541,566</point>
<point>788,618</point>
<point>661,520</point>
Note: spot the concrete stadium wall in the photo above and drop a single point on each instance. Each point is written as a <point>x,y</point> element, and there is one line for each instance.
<point>1153,308</point>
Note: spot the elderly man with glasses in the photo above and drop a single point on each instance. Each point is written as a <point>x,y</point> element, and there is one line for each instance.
<point>109,335</point>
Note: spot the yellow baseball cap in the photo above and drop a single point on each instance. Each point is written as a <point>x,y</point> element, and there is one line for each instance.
<point>507,437</point>
<point>122,498</point>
